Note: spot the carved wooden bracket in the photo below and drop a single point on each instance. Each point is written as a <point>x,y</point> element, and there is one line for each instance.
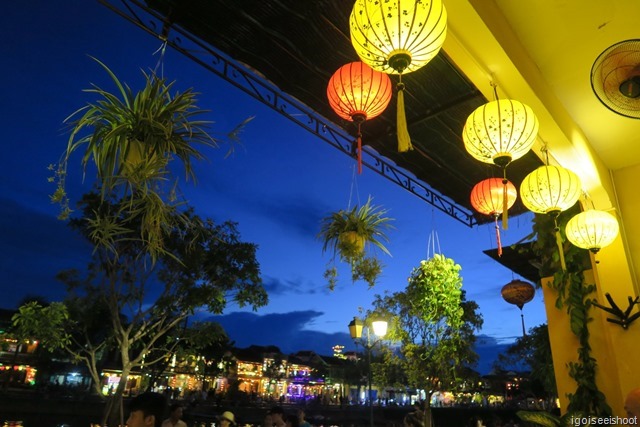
<point>623,318</point>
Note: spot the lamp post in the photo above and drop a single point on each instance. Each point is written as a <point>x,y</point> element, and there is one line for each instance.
<point>379,330</point>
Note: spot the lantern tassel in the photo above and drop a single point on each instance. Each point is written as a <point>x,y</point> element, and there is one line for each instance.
<point>505,204</point>
<point>404,140</point>
<point>498,237</point>
<point>560,249</point>
<point>359,150</point>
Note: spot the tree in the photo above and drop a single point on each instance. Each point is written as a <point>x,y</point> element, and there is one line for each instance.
<point>433,324</point>
<point>137,307</point>
<point>534,351</point>
<point>154,261</point>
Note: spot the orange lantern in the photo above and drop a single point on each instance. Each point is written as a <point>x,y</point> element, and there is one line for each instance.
<point>488,196</point>
<point>357,93</point>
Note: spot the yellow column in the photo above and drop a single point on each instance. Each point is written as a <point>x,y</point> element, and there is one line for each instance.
<point>616,350</point>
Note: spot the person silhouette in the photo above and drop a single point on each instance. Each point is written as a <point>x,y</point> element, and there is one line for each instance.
<point>632,404</point>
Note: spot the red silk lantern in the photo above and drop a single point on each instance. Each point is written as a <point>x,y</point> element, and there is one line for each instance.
<point>357,93</point>
<point>494,196</point>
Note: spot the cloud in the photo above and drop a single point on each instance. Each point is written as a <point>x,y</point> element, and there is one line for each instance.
<point>284,330</point>
<point>299,286</point>
<point>300,214</point>
<point>488,348</point>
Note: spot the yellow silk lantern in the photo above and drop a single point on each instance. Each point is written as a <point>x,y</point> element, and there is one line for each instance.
<point>592,230</point>
<point>500,131</point>
<point>397,37</point>
<point>551,190</point>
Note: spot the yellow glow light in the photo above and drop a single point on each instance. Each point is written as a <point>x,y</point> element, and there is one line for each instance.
<point>550,189</point>
<point>397,36</point>
<point>592,230</point>
<point>500,131</point>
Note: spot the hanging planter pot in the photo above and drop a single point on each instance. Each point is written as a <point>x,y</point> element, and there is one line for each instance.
<point>351,243</point>
<point>349,234</point>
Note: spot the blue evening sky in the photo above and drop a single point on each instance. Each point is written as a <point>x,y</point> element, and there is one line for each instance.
<point>277,186</point>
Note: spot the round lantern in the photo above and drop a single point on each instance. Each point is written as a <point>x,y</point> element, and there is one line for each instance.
<point>519,293</point>
<point>396,37</point>
<point>551,190</point>
<point>500,131</point>
<point>357,93</point>
<point>488,197</point>
<point>592,230</point>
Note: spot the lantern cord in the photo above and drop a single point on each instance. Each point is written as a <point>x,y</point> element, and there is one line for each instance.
<point>499,241</point>
<point>359,150</point>
<point>505,201</point>
<point>354,185</point>
<point>524,331</point>
<point>560,246</point>
<point>404,140</point>
<point>495,90</point>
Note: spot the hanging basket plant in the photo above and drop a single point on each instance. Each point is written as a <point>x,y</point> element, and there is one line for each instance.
<point>352,235</point>
<point>131,138</point>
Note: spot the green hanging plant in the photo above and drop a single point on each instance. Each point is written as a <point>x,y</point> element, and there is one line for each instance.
<point>349,235</point>
<point>132,138</point>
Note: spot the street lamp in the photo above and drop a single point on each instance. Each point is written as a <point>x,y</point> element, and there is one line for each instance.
<point>379,330</point>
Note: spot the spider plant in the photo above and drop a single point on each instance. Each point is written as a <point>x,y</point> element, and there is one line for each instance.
<point>349,233</point>
<point>346,231</point>
<point>131,138</point>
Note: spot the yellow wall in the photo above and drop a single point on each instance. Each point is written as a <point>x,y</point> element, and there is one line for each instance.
<point>615,272</point>
<point>617,372</point>
<point>626,186</point>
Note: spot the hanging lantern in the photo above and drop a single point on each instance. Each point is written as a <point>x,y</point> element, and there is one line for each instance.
<point>487,198</point>
<point>357,93</point>
<point>592,230</point>
<point>551,190</point>
<point>519,293</point>
<point>398,37</point>
<point>499,132</point>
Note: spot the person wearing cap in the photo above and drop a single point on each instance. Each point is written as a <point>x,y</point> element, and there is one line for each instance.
<point>227,419</point>
<point>174,417</point>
